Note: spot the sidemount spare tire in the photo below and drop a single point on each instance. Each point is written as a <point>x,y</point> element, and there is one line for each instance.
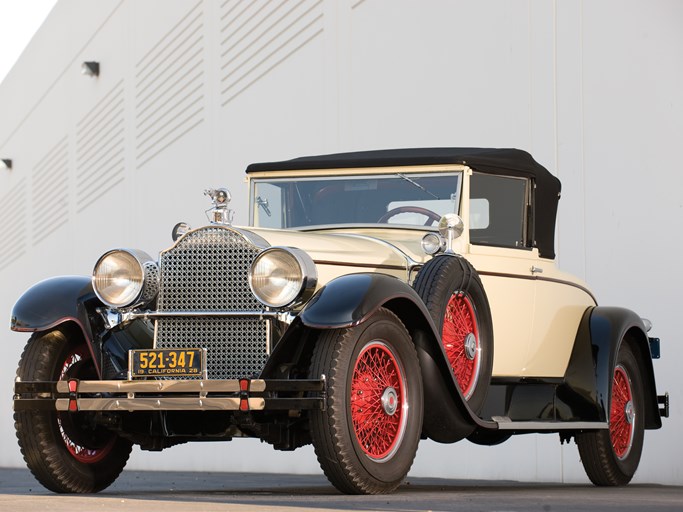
<point>454,295</point>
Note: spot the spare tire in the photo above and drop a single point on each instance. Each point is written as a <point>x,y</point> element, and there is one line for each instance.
<point>454,295</point>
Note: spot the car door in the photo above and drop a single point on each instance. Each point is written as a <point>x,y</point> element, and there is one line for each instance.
<point>501,251</point>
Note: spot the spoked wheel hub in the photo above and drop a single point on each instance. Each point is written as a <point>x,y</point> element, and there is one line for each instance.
<point>470,346</point>
<point>390,401</point>
<point>629,412</point>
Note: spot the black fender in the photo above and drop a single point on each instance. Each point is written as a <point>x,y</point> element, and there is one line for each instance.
<point>351,299</point>
<point>56,301</point>
<point>588,379</point>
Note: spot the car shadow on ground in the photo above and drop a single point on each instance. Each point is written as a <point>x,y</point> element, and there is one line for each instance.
<point>281,492</point>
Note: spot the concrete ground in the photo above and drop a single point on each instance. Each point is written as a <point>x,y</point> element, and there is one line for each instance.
<point>172,491</point>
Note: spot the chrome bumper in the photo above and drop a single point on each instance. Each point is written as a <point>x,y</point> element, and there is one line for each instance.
<point>170,395</point>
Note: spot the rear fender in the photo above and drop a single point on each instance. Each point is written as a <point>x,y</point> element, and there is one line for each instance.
<point>350,300</point>
<point>588,380</point>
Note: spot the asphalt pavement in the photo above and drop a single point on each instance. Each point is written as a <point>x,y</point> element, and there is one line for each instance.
<point>154,491</point>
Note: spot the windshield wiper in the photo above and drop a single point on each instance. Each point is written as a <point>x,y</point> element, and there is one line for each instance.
<point>416,184</point>
<point>263,203</point>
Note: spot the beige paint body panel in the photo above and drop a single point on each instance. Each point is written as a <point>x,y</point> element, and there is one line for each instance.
<point>536,314</point>
<point>536,309</point>
<point>511,301</point>
<point>337,253</point>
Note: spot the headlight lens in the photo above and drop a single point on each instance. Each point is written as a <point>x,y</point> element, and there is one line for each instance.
<point>281,276</point>
<point>119,278</point>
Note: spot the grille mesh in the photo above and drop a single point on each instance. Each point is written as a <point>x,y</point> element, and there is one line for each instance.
<point>207,271</point>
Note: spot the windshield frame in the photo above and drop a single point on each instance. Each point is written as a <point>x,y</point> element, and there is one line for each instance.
<point>406,173</point>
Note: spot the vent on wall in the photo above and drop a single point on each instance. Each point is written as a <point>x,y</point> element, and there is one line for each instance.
<point>50,191</point>
<point>169,87</point>
<point>258,36</point>
<point>13,215</point>
<point>100,158</point>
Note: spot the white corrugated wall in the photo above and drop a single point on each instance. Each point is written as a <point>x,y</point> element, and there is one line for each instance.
<point>191,91</point>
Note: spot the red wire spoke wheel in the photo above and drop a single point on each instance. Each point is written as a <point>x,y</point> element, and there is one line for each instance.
<point>460,340</point>
<point>75,364</point>
<point>622,414</point>
<point>378,400</point>
<point>367,434</point>
<point>611,456</point>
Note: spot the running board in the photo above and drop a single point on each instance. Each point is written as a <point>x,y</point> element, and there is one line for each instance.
<point>505,423</point>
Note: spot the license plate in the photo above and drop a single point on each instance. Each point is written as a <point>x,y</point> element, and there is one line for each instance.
<point>167,362</point>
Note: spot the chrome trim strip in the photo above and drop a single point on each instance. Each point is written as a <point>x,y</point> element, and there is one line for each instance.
<point>160,404</point>
<point>358,265</point>
<point>161,386</point>
<point>192,314</point>
<point>539,278</point>
<point>551,426</point>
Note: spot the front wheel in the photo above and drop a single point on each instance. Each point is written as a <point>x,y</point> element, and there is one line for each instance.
<point>367,436</point>
<point>611,457</point>
<point>66,452</point>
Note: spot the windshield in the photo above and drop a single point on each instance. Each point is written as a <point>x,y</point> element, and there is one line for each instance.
<point>404,199</point>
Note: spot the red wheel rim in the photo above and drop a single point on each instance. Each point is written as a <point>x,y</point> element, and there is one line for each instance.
<point>460,338</point>
<point>81,453</point>
<point>378,401</point>
<point>622,414</point>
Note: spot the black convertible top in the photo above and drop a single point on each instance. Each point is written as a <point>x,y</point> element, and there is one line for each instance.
<point>510,162</point>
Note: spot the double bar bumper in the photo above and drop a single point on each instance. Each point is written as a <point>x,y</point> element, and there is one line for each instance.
<point>170,395</point>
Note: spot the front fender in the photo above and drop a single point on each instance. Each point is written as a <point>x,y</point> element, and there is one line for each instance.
<point>53,302</point>
<point>349,300</point>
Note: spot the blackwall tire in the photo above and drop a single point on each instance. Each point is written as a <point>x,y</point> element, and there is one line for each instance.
<point>367,436</point>
<point>611,457</point>
<point>65,452</point>
<point>454,295</point>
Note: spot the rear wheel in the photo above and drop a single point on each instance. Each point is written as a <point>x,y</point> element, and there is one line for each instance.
<point>66,452</point>
<point>367,437</point>
<point>611,457</point>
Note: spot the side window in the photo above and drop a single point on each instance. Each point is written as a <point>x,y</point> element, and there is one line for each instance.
<point>499,210</point>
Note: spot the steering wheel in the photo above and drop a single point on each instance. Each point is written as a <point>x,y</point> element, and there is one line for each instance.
<point>431,216</point>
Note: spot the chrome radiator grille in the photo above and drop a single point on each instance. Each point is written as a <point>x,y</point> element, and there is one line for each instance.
<point>207,271</point>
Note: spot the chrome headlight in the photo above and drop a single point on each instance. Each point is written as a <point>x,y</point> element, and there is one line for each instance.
<point>125,277</point>
<point>432,243</point>
<point>281,276</point>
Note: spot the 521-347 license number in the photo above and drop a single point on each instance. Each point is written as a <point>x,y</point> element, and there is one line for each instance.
<point>166,362</point>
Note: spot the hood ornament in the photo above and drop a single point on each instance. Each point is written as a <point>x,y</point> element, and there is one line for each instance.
<point>220,213</point>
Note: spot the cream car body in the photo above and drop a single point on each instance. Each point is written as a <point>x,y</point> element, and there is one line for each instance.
<point>536,308</point>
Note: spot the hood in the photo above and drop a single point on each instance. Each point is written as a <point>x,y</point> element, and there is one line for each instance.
<point>370,247</point>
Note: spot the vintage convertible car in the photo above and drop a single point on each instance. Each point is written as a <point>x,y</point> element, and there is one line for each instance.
<point>357,312</point>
